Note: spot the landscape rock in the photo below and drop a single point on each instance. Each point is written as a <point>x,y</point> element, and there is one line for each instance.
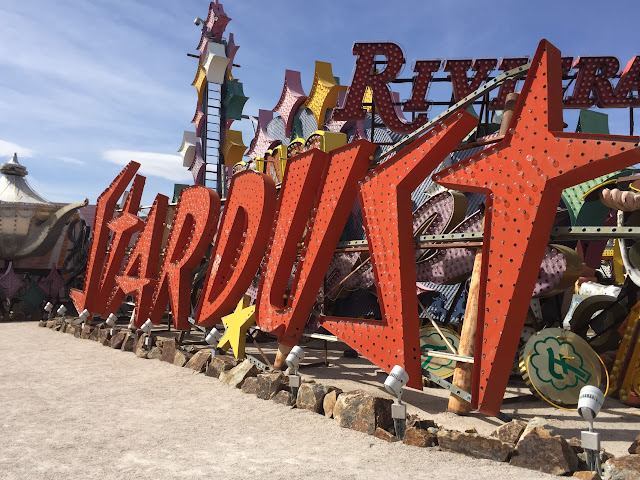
<point>238,374</point>
<point>622,468</point>
<point>271,383</point>
<point>587,475</point>
<point>129,342</point>
<point>510,432</point>
<point>94,334</point>
<point>86,332</point>
<point>71,329</point>
<point>219,364</point>
<point>283,397</point>
<point>180,358</point>
<point>384,435</point>
<point>311,397</point>
<point>576,445</point>
<point>419,437</point>
<point>362,412</point>
<point>539,422</point>
<point>329,402</point>
<point>199,361</point>
<point>52,323</point>
<point>141,349</point>
<point>168,350</point>
<point>42,323</point>
<point>414,421</point>
<point>539,450</point>
<point>635,446</point>
<point>103,336</point>
<point>250,385</point>
<point>474,445</point>
<point>155,353</point>
<point>117,340</point>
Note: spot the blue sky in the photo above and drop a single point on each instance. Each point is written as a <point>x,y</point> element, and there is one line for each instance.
<point>87,85</point>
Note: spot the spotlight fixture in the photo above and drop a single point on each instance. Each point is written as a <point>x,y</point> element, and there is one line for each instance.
<point>146,328</point>
<point>111,323</point>
<point>212,338</point>
<point>49,309</point>
<point>589,404</point>
<point>198,21</point>
<point>84,315</point>
<point>61,311</point>
<point>293,362</point>
<point>394,383</point>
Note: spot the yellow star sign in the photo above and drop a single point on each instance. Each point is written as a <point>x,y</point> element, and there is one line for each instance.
<point>236,325</point>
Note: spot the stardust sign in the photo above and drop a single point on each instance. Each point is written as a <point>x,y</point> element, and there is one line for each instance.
<point>523,176</point>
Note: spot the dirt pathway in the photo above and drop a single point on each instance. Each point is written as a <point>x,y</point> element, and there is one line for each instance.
<point>73,409</point>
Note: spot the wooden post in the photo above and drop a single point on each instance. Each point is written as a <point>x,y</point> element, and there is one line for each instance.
<point>281,357</point>
<point>463,374</point>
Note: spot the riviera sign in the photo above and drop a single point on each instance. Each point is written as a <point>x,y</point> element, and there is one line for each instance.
<point>593,83</point>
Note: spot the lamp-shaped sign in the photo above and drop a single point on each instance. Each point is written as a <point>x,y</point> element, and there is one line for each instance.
<point>215,63</point>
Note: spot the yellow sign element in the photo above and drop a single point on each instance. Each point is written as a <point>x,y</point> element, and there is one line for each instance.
<point>367,98</point>
<point>325,141</point>
<point>236,325</point>
<point>200,81</point>
<point>233,147</point>
<point>324,92</point>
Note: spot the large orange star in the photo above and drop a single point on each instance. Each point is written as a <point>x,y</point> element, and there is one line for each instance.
<point>524,176</point>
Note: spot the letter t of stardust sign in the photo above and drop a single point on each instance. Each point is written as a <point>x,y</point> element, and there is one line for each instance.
<point>522,176</point>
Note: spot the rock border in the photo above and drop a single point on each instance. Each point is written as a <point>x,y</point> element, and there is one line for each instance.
<point>532,445</point>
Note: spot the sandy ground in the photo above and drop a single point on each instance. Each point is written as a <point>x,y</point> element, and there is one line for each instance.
<point>73,409</point>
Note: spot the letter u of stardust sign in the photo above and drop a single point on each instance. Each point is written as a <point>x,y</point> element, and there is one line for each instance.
<point>522,176</point>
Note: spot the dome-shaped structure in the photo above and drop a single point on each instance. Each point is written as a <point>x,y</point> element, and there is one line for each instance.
<point>29,224</point>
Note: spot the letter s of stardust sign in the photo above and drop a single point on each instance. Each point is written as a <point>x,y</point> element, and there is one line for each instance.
<point>317,194</point>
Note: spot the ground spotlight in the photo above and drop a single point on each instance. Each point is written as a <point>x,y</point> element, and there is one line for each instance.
<point>589,404</point>
<point>213,337</point>
<point>111,322</point>
<point>84,315</point>
<point>49,309</point>
<point>146,328</point>
<point>296,355</point>
<point>62,310</point>
<point>394,383</point>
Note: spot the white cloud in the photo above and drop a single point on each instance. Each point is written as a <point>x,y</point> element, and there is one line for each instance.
<point>72,160</point>
<point>151,163</point>
<point>7,149</point>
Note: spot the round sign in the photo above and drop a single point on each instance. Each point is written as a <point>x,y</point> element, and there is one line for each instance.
<point>430,339</point>
<point>557,363</point>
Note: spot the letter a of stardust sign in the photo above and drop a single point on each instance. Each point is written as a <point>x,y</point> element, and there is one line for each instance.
<point>523,177</point>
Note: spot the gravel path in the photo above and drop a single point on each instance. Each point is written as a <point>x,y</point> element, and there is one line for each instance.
<point>73,409</point>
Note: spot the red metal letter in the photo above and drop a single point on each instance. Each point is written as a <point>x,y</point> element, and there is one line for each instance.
<point>593,76</point>
<point>461,84</point>
<point>240,245</point>
<point>629,82</point>
<point>138,277</point>
<point>425,70</point>
<point>193,228</point>
<point>386,205</point>
<point>525,174</point>
<point>330,213</point>
<point>367,75</point>
<point>96,285</point>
